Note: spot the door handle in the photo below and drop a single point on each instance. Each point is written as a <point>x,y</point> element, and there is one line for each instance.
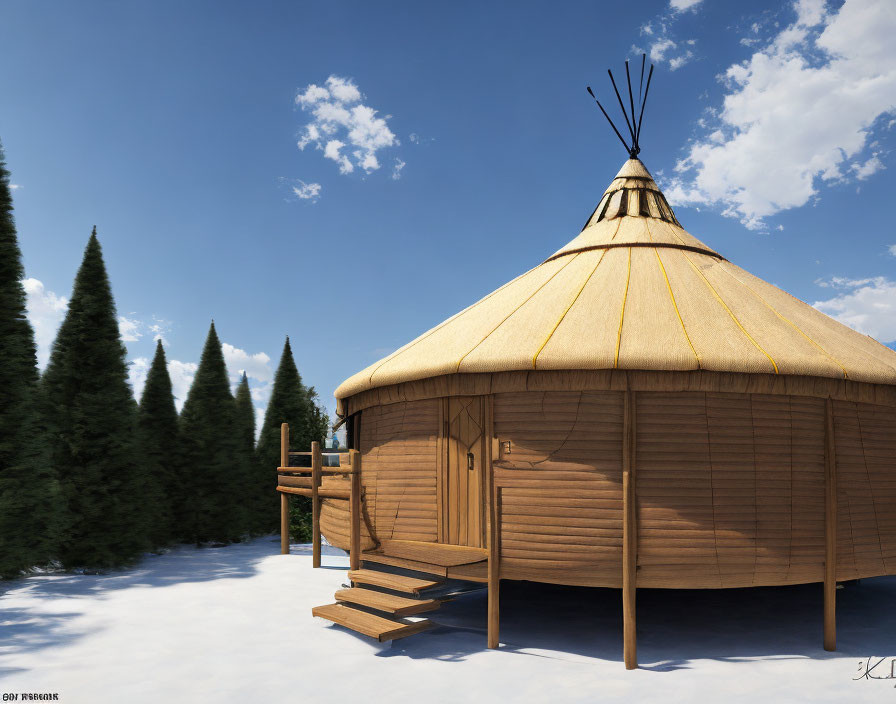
<point>470,461</point>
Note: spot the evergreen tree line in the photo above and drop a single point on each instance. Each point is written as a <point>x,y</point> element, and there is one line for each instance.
<point>91,479</point>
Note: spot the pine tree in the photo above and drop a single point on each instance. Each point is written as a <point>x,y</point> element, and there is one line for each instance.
<point>157,430</point>
<point>245,412</point>
<point>91,416</point>
<point>214,469</point>
<point>29,491</point>
<point>291,402</point>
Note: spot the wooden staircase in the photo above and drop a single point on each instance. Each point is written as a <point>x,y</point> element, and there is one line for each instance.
<point>399,578</point>
<point>378,603</point>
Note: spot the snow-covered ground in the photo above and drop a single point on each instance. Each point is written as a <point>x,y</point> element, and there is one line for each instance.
<point>233,624</point>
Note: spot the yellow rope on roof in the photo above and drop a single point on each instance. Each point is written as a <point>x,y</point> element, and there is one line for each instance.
<point>733,317</point>
<point>793,325</point>
<point>672,296</point>
<point>574,299</point>
<point>506,317</point>
<point>438,327</point>
<point>628,276</point>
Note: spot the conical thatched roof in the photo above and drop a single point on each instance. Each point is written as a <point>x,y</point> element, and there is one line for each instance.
<point>636,291</point>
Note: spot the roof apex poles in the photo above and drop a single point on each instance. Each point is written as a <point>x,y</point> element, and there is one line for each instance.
<point>634,125</point>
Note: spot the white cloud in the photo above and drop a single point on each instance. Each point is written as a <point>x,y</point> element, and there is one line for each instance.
<point>869,168</point>
<point>257,366</point>
<point>15,186</point>
<point>662,46</point>
<point>307,191</point>
<point>129,329</point>
<point>892,249</point>
<point>396,169</point>
<point>181,374</point>
<point>261,376</point>
<point>133,329</point>
<point>680,5</point>
<point>159,329</point>
<point>867,305</point>
<point>138,368</point>
<point>341,120</point>
<point>46,311</point>
<point>798,113</point>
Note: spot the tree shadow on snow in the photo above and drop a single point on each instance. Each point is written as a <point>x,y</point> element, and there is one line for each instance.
<point>28,629</point>
<point>675,627</point>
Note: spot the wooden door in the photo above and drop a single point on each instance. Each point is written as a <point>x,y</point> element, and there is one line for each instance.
<point>462,504</point>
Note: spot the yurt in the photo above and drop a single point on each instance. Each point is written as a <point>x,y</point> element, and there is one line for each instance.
<point>634,411</point>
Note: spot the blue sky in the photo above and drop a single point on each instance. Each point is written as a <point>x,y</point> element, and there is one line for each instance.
<point>453,148</point>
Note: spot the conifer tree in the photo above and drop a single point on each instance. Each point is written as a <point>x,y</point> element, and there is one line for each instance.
<point>91,416</point>
<point>157,428</point>
<point>213,467</point>
<point>291,402</point>
<point>245,412</point>
<point>29,492</point>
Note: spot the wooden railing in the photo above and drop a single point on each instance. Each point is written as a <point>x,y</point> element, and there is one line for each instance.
<point>300,485</point>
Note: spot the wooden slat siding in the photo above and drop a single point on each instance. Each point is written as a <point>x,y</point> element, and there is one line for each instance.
<point>731,453</point>
<point>731,489</point>
<point>772,454</point>
<point>562,497</point>
<point>629,533</point>
<point>807,507</point>
<point>335,522</point>
<point>866,484</point>
<point>878,426</point>
<point>830,529</point>
<point>674,490</point>
<point>399,444</point>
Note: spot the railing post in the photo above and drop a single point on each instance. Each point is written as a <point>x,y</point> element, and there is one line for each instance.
<point>355,511</point>
<point>284,498</point>
<point>494,568</point>
<point>316,461</point>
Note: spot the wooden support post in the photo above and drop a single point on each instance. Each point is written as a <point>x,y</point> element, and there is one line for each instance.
<point>494,565</point>
<point>830,530</point>
<point>355,512</point>
<point>629,534</point>
<point>316,461</point>
<point>284,498</point>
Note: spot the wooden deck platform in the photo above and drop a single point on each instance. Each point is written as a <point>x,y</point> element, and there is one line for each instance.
<point>451,561</point>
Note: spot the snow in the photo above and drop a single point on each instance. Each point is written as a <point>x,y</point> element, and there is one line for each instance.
<point>233,624</point>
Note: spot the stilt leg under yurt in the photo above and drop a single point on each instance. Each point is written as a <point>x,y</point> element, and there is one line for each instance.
<point>494,571</point>
<point>284,524</point>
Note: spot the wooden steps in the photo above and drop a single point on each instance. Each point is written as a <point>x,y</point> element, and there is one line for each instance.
<point>367,609</point>
<point>369,624</point>
<point>396,582</point>
<point>388,603</point>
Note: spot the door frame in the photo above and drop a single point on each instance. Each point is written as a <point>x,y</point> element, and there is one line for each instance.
<point>485,475</point>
